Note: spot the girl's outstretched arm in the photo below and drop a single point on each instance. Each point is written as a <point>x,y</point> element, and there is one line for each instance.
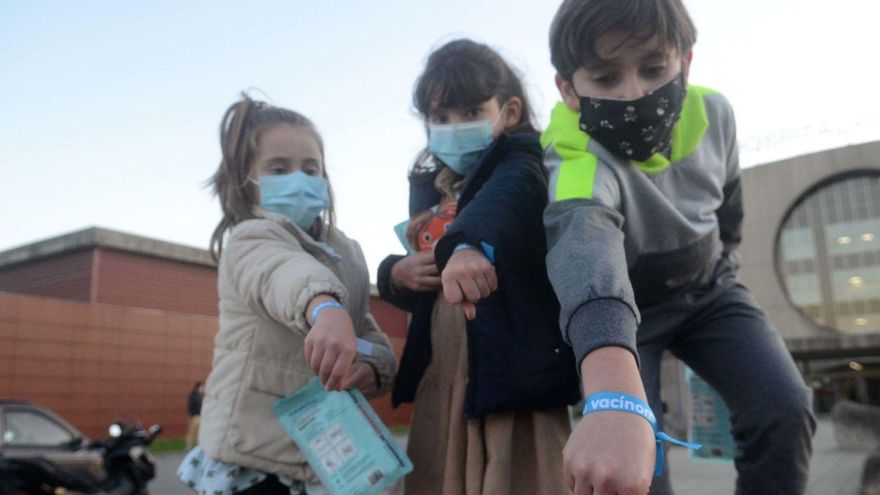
<point>331,343</point>
<point>275,276</point>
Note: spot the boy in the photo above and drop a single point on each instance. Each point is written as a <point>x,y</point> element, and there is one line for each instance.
<point>643,226</point>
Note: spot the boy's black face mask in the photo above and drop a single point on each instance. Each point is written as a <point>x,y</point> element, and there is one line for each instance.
<point>634,129</point>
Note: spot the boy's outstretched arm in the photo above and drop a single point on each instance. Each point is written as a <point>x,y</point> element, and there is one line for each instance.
<point>610,451</point>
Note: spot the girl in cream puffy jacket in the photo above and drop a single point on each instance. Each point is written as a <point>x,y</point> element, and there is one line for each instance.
<point>294,296</point>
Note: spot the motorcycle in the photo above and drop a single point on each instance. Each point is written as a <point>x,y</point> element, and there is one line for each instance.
<point>128,467</point>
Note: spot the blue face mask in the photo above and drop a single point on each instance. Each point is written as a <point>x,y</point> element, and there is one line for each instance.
<point>300,197</point>
<point>459,145</point>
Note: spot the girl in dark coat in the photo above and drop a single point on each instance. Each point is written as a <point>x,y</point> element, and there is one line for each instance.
<point>484,362</point>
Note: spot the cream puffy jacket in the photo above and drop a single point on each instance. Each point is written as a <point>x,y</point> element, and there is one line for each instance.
<point>269,271</point>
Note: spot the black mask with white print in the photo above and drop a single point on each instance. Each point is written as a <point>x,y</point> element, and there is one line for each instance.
<point>635,129</point>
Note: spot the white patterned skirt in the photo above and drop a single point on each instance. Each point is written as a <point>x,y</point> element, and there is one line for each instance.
<point>209,476</point>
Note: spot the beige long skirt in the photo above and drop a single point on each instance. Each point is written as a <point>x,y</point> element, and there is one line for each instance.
<point>517,452</point>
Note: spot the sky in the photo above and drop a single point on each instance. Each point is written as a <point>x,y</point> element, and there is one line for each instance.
<point>110,110</point>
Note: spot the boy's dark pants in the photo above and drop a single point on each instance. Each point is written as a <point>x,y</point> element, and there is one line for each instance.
<point>724,336</point>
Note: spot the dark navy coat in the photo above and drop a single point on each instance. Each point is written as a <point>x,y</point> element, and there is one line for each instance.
<point>516,356</point>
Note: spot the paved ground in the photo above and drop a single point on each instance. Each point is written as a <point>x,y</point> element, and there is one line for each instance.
<point>833,472</point>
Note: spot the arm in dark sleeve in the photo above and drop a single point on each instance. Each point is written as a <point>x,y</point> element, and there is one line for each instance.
<point>505,213</point>
<point>400,297</point>
<point>422,196</point>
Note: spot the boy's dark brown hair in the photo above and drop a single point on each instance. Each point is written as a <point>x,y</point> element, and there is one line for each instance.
<point>240,130</point>
<point>579,24</point>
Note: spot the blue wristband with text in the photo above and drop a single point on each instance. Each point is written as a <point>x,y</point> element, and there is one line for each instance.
<point>618,401</point>
<point>321,307</point>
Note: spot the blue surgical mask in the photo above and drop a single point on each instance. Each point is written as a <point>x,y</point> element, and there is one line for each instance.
<point>298,196</point>
<point>459,145</point>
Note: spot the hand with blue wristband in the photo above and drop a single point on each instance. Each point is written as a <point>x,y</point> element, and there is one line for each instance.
<point>610,452</point>
<point>331,343</point>
<point>618,401</point>
<point>468,277</point>
<point>316,310</point>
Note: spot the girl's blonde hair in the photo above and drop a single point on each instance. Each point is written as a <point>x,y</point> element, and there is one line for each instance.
<point>240,130</point>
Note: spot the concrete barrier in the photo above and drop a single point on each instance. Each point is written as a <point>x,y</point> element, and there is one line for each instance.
<point>856,426</point>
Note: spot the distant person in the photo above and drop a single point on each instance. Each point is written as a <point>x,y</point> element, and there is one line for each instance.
<point>294,295</point>
<point>643,227</point>
<point>484,363</point>
<point>194,411</point>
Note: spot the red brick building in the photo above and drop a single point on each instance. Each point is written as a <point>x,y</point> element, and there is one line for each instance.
<point>99,325</point>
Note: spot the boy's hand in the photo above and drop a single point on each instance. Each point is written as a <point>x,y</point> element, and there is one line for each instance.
<point>467,278</point>
<point>416,272</point>
<point>363,376</point>
<point>610,452</point>
<point>331,344</point>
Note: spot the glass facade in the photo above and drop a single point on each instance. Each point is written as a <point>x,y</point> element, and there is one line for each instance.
<point>828,254</point>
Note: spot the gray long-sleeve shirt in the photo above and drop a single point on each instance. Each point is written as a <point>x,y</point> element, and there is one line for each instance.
<point>624,235</point>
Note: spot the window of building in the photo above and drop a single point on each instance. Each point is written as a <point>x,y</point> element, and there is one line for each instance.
<point>828,254</point>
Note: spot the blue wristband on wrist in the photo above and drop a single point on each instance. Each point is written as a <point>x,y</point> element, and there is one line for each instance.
<point>321,307</point>
<point>364,347</point>
<point>618,401</point>
<point>462,246</point>
<point>487,249</point>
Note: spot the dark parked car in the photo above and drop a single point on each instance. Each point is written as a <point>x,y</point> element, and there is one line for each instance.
<point>33,431</point>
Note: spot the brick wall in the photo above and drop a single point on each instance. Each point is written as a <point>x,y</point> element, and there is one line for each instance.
<point>114,277</point>
<point>95,363</point>
<point>143,282</point>
<point>67,276</point>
